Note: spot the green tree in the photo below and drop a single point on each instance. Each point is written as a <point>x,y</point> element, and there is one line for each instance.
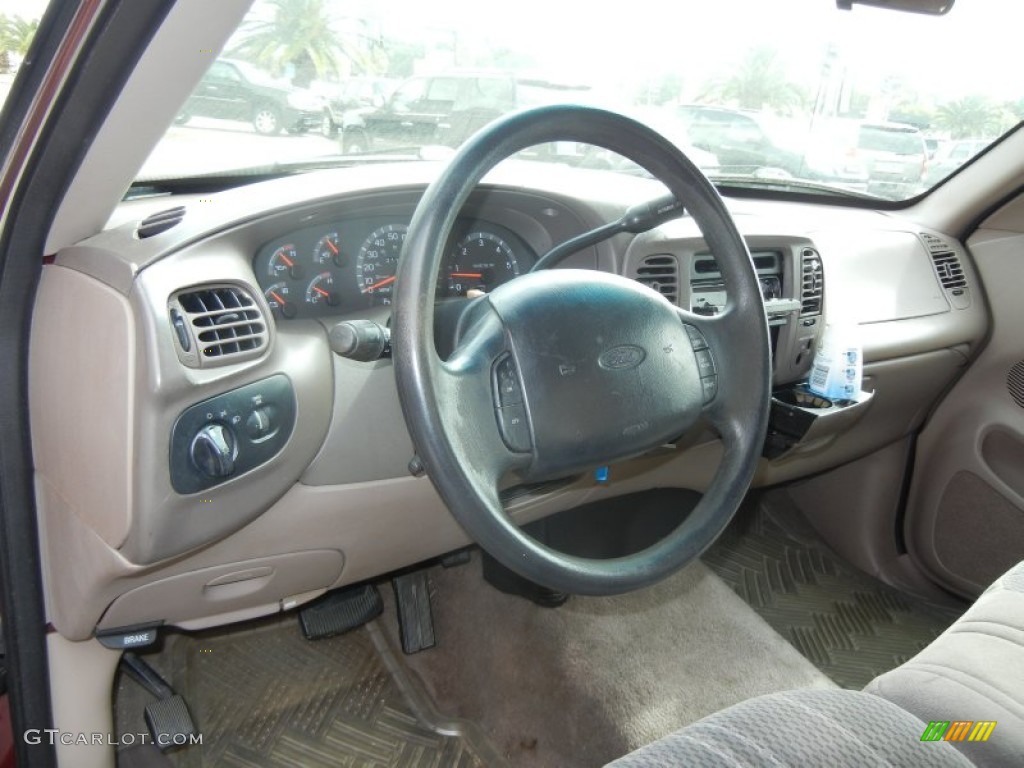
<point>298,36</point>
<point>760,82</point>
<point>969,117</point>
<point>16,35</point>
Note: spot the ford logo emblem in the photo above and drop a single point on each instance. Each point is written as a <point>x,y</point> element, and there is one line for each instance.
<point>621,358</point>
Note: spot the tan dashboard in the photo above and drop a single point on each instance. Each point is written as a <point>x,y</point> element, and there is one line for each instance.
<point>214,460</point>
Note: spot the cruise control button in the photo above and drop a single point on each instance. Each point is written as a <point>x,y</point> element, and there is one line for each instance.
<point>710,386</point>
<point>696,338</point>
<point>506,382</point>
<point>705,363</point>
<point>515,430</point>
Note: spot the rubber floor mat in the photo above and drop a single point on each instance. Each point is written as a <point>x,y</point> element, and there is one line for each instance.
<point>265,696</point>
<point>849,625</point>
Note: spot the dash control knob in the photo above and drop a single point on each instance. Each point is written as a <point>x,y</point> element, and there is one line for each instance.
<point>260,423</point>
<point>213,451</point>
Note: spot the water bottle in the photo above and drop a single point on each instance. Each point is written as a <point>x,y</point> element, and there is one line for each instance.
<point>838,369</point>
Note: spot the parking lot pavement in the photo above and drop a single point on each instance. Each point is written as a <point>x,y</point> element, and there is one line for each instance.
<point>206,146</point>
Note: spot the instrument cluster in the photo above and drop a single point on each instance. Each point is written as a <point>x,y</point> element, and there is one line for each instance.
<point>350,265</point>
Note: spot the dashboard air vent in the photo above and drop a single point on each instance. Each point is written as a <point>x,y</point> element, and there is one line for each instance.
<point>225,322</point>
<point>661,273</point>
<point>812,282</point>
<point>160,222</point>
<point>948,270</point>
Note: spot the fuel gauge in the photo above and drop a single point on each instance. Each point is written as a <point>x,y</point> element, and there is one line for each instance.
<point>328,251</point>
<point>279,300</point>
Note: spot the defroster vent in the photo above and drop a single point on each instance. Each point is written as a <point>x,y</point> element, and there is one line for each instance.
<point>224,324</point>
<point>661,273</point>
<point>160,222</point>
<point>812,283</point>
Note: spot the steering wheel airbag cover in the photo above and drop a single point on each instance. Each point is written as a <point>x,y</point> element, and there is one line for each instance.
<point>607,368</point>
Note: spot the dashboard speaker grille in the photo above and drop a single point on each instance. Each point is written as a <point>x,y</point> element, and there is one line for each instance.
<point>1015,383</point>
<point>160,222</point>
<point>225,321</point>
<point>812,282</point>
<point>660,272</point>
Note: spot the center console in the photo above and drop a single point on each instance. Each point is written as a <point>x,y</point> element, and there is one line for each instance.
<point>792,286</point>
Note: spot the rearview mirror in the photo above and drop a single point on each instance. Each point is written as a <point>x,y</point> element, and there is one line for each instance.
<point>931,7</point>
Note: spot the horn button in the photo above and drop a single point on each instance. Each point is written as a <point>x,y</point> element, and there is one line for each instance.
<point>598,368</point>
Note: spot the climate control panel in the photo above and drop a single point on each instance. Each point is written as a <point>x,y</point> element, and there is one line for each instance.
<point>229,434</point>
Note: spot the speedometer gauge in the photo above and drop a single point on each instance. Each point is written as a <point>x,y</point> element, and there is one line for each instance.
<point>378,260</point>
<point>480,261</point>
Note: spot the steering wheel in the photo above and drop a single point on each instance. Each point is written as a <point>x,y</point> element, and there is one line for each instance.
<point>558,372</point>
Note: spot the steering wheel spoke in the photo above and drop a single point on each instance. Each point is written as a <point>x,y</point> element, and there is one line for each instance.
<point>728,391</point>
<point>481,402</point>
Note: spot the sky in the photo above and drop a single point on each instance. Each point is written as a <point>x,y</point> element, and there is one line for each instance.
<point>969,50</point>
<point>27,9</point>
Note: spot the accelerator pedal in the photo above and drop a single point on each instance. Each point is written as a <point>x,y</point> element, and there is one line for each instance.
<point>415,620</point>
<point>340,611</point>
<point>168,719</point>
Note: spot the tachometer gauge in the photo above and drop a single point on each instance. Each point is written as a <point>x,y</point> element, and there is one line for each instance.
<point>321,291</point>
<point>279,300</point>
<point>328,251</point>
<point>481,261</point>
<point>378,260</point>
<point>284,262</point>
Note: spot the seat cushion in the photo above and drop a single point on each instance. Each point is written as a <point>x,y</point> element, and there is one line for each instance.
<point>973,671</point>
<point>834,728</point>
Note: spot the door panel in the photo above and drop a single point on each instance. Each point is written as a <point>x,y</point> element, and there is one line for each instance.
<point>965,516</point>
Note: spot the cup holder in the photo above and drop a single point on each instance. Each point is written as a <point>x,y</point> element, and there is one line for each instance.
<point>801,420</point>
<point>803,399</point>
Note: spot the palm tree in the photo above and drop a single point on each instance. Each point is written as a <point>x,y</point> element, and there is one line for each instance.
<point>968,118</point>
<point>760,82</point>
<point>15,37</point>
<point>298,36</point>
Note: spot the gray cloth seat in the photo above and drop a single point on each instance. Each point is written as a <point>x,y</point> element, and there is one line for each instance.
<point>974,671</point>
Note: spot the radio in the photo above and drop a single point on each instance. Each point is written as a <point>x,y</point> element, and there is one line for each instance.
<point>707,291</point>
<point>793,329</point>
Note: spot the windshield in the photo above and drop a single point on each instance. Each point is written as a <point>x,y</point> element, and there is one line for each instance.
<point>870,102</point>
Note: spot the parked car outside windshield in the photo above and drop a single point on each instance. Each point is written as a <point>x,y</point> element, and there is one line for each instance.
<point>763,112</point>
<point>238,90</point>
<point>895,156</point>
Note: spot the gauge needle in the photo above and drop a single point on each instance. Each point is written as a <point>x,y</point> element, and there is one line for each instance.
<point>379,284</point>
<point>477,275</point>
<point>287,261</point>
<point>321,291</point>
<point>332,246</point>
<point>280,301</point>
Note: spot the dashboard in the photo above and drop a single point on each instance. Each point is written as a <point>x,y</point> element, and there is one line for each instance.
<point>276,456</point>
<point>349,264</point>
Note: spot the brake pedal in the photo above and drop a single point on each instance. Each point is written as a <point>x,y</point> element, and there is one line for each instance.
<point>340,611</point>
<point>168,719</point>
<point>415,620</point>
